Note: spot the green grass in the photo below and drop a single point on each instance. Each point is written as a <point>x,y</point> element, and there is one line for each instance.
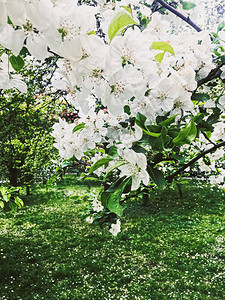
<point>172,249</point>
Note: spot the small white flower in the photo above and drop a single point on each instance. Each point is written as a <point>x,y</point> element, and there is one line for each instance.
<point>97,206</point>
<point>115,228</point>
<point>164,93</point>
<point>90,220</point>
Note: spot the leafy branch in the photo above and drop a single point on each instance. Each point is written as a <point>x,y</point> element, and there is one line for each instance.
<point>169,178</point>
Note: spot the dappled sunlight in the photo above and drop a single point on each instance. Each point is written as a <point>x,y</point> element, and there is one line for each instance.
<point>172,247</point>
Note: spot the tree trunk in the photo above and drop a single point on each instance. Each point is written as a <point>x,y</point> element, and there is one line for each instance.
<point>13,176</point>
<point>28,190</point>
<point>145,198</point>
<point>179,190</point>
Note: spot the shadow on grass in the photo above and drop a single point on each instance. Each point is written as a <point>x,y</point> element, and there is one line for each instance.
<point>172,249</point>
<point>71,180</point>
<point>196,199</point>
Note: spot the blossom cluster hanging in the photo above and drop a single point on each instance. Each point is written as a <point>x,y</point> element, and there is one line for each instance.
<point>132,75</point>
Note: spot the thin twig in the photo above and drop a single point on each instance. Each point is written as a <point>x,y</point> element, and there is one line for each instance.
<point>208,139</point>
<point>178,14</point>
<point>181,117</point>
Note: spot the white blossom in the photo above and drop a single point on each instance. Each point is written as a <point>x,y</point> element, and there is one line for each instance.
<point>97,206</point>
<point>115,228</point>
<point>90,220</point>
<point>135,166</point>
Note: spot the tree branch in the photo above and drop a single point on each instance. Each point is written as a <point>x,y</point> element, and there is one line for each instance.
<point>178,14</point>
<point>208,139</point>
<point>213,74</point>
<point>169,178</point>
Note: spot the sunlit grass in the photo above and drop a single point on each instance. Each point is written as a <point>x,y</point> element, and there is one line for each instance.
<point>171,249</point>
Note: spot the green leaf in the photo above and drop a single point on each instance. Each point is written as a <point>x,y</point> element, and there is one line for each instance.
<point>204,126</point>
<point>201,97</point>
<point>154,128</point>
<point>17,62</point>
<point>208,134</point>
<point>113,151</point>
<point>18,201</point>
<point>186,134</point>
<point>113,203</point>
<point>144,21</point>
<point>164,135</point>
<point>173,132</point>
<point>179,157</point>
<point>92,32</point>
<point>151,133</point>
<point>5,193</point>
<point>127,109</point>
<point>78,127</point>
<point>168,121</point>
<point>158,144</point>
<point>1,204</point>
<point>100,150</point>
<point>140,121</point>
<point>58,169</point>
<point>213,118</point>
<point>114,186</point>
<point>198,118</point>
<point>220,26</point>
<point>157,176</point>
<point>163,141</point>
<point>188,5</point>
<point>139,149</point>
<point>127,8</point>
<point>14,189</point>
<point>24,52</point>
<point>9,21</point>
<point>112,200</point>
<point>66,164</point>
<point>160,141</point>
<point>13,206</point>
<point>120,22</point>
<point>159,57</point>
<point>99,163</point>
<point>163,46</point>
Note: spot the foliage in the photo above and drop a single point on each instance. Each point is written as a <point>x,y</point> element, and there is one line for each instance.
<point>10,198</point>
<point>26,146</point>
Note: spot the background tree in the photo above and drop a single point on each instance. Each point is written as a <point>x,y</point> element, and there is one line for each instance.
<point>26,146</point>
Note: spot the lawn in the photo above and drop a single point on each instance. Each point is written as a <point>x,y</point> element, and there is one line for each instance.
<point>171,249</point>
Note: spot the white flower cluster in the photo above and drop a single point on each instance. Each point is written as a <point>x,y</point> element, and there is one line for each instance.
<point>111,74</point>
<point>124,71</point>
<point>216,159</point>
